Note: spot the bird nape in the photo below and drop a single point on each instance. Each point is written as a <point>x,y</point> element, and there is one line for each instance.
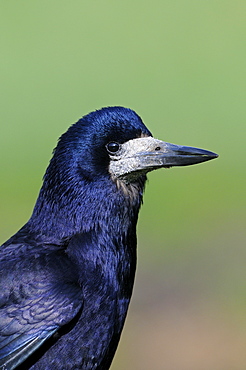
<point>67,274</point>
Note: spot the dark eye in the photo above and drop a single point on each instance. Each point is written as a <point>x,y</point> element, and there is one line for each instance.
<point>113,147</point>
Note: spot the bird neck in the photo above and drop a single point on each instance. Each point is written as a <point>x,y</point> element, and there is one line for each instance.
<point>63,212</point>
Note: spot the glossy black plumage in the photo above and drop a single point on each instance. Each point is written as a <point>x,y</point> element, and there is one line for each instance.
<point>66,277</point>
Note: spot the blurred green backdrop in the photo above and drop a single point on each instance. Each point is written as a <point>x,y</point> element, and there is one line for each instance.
<point>181,65</point>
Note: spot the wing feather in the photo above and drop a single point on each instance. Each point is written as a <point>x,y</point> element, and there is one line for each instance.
<point>38,295</point>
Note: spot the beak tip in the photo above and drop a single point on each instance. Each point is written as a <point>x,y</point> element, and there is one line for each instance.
<point>213,155</point>
<point>185,156</point>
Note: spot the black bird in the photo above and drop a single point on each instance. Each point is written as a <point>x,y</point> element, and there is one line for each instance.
<point>66,276</point>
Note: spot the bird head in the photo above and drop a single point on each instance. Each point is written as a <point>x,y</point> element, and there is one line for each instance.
<point>115,142</point>
<point>99,169</point>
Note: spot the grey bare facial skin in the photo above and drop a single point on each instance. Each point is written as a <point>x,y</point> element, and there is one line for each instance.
<point>145,154</point>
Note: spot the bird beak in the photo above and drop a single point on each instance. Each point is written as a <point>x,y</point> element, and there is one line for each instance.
<point>147,154</point>
<point>168,155</point>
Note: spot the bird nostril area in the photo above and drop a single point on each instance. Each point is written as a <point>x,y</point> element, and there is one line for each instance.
<point>158,148</point>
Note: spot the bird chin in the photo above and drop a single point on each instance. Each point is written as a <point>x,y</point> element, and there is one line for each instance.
<point>131,184</point>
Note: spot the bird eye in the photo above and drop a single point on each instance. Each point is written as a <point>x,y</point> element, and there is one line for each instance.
<point>113,147</point>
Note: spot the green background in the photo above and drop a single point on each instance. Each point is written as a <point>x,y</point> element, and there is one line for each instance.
<point>181,64</point>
